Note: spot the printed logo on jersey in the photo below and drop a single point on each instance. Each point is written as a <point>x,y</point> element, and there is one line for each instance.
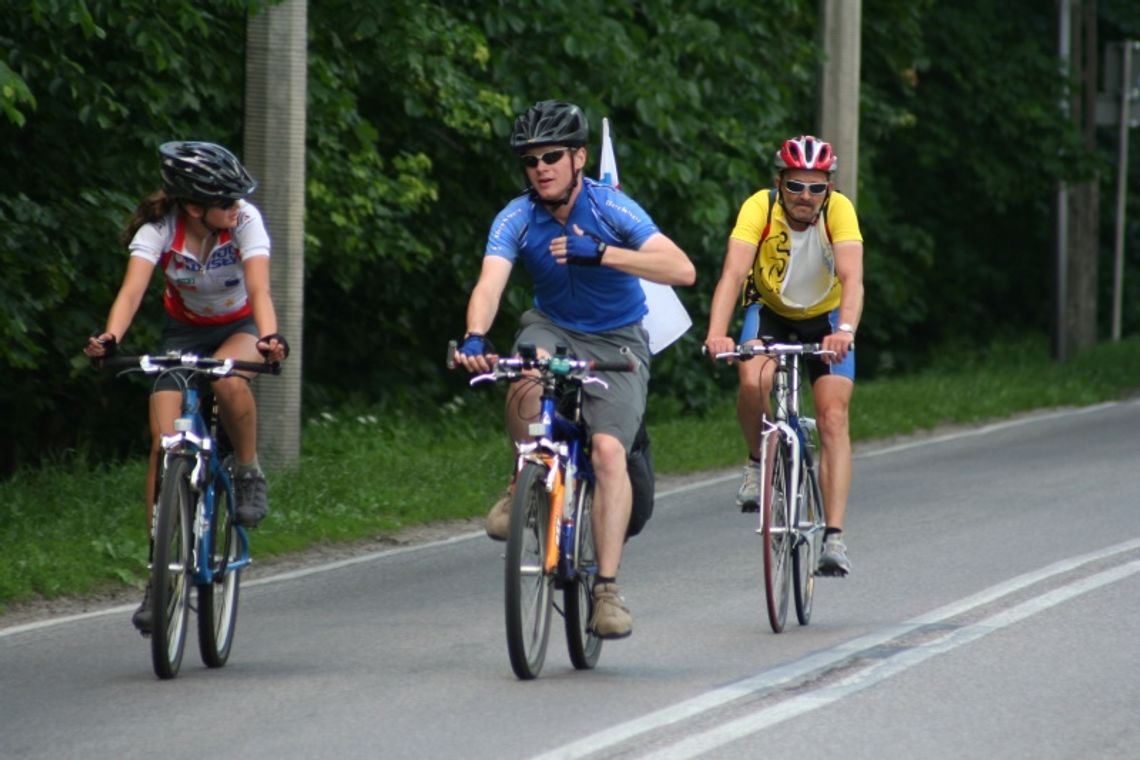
<point>498,241</point>
<point>182,261</point>
<point>225,256</point>
<point>778,266</point>
<point>623,209</point>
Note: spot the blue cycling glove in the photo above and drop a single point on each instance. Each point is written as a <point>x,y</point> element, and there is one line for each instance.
<point>476,344</point>
<point>584,250</point>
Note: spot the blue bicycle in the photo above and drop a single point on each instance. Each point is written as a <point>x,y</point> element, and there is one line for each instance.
<point>197,541</point>
<point>551,544</point>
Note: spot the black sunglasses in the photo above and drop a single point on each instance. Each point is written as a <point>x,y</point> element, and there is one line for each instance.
<point>795,187</point>
<point>550,157</point>
<point>225,205</point>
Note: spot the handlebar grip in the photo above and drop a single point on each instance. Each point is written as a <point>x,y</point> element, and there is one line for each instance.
<point>627,366</point>
<point>116,362</point>
<point>452,347</point>
<point>273,368</point>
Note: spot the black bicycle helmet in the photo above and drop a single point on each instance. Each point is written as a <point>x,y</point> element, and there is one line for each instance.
<point>550,122</point>
<point>203,172</point>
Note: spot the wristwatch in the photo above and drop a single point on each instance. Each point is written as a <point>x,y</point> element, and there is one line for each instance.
<point>601,249</point>
<point>846,327</point>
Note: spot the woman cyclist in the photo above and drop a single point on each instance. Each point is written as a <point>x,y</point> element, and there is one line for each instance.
<point>213,250</point>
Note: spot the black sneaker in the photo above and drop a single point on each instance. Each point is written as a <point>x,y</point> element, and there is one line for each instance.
<point>143,619</point>
<point>252,499</point>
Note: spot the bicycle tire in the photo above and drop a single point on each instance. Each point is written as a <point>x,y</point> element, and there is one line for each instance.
<point>809,542</point>
<point>528,588</point>
<point>777,538</point>
<point>170,569</point>
<point>577,596</point>
<point>218,600</point>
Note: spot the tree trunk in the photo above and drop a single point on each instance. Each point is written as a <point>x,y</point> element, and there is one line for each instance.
<point>276,60</point>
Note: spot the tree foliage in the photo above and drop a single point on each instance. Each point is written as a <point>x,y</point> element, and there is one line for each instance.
<point>410,104</point>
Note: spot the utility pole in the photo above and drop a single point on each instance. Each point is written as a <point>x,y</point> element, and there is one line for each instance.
<point>1061,209</point>
<point>841,24</point>
<point>275,72</point>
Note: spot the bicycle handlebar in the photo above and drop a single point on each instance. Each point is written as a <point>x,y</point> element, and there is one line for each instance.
<point>775,349</point>
<point>192,362</point>
<point>509,367</point>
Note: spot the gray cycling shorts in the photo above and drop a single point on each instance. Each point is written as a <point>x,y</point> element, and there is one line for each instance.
<point>617,410</point>
<point>203,340</point>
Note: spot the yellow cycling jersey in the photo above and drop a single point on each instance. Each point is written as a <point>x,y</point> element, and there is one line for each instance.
<point>776,253</point>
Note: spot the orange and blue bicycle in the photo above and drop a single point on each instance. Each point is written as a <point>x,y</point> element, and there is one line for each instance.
<point>550,546</point>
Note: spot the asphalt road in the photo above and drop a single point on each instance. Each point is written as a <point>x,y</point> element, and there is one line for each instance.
<point>992,613</point>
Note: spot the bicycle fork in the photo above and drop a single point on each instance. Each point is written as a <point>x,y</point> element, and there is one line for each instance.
<point>770,438</point>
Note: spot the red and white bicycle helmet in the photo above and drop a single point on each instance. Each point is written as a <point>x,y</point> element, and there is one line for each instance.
<point>806,152</point>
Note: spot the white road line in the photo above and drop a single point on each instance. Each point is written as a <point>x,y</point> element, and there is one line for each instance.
<point>38,625</point>
<point>707,741</point>
<point>831,658</point>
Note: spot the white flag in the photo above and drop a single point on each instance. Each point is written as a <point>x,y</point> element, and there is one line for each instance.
<point>667,319</point>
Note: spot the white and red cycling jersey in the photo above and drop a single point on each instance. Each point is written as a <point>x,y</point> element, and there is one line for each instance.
<point>209,292</point>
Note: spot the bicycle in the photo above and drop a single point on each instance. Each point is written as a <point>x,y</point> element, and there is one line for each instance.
<point>791,506</point>
<point>550,546</point>
<point>197,541</point>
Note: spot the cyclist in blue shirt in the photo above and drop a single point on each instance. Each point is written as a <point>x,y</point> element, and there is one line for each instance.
<point>585,245</point>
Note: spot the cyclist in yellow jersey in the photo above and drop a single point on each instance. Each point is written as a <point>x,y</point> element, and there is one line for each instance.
<point>797,255</point>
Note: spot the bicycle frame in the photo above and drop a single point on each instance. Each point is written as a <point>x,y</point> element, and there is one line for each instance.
<point>789,425</point>
<point>192,438</point>
<point>557,444</point>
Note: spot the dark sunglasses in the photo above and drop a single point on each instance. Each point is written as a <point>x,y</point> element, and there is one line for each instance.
<point>550,157</point>
<point>795,187</point>
<point>225,205</point>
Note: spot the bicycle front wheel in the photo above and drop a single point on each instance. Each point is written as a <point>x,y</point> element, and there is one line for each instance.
<point>528,587</point>
<point>170,570</point>
<point>809,542</point>
<point>218,599</point>
<point>775,529</point>
<point>577,598</point>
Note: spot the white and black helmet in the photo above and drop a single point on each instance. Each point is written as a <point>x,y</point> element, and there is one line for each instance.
<point>203,172</point>
<point>550,122</point>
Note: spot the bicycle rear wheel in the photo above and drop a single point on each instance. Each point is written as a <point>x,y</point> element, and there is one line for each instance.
<point>170,570</point>
<point>809,542</point>
<point>218,600</point>
<point>774,527</point>
<point>528,587</point>
<point>577,598</point>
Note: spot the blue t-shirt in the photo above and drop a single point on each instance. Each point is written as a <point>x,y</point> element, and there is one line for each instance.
<point>586,299</point>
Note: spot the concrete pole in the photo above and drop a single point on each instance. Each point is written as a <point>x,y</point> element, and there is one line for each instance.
<point>838,109</point>
<point>1061,254</point>
<point>1121,189</point>
<point>276,67</point>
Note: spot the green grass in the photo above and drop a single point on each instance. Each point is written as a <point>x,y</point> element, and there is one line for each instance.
<point>73,528</point>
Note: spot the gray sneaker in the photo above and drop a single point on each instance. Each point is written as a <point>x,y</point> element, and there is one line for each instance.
<point>498,523</point>
<point>833,560</point>
<point>611,618</point>
<point>251,496</point>
<point>748,497</point>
